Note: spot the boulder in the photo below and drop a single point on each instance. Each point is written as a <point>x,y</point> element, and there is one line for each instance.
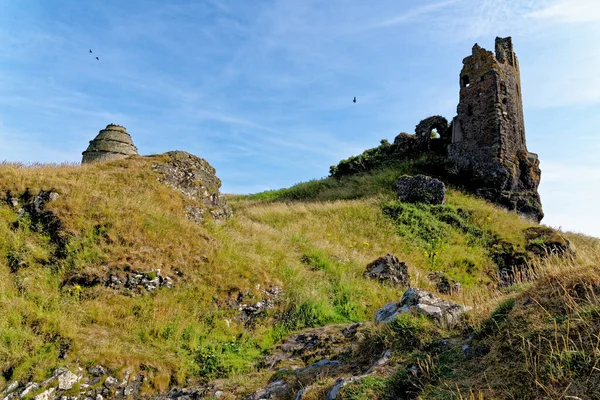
<point>66,379</point>
<point>388,268</point>
<point>444,313</point>
<point>196,179</point>
<point>420,189</point>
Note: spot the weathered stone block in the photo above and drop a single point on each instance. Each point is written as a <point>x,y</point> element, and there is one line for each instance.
<point>421,189</point>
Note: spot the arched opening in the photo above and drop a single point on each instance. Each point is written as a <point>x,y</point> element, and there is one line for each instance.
<point>504,101</point>
<point>465,81</point>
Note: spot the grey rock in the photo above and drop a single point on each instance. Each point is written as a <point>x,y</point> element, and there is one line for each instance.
<point>11,387</point>
<point>388,268</point>
<point>445,313</point>
<point>272,390</point>
<point>382,361</point>
<point>30,387</point>
<point>133,388</point>
<point>248,313</point>
<point>387,313</point>
<point>111,382</point>
<point>66,380</point>
<point>46,395</point>
<point>97,371</point>
<point>339,384</point>
<point>420,189</point>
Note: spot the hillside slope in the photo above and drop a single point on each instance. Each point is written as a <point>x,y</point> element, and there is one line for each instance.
<point>112,273</point>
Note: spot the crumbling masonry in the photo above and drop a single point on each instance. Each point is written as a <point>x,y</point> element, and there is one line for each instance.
<point>483,149</point>
<point>488,147</point>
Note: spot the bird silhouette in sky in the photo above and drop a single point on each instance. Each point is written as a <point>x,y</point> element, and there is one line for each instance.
<point>354,101</point>
<point>97,59</point>
<point>90,50</point>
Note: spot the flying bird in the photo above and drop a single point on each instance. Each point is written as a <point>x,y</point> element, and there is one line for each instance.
<point>354,101</point>
<point>97,59</point>
<point>90,50</point>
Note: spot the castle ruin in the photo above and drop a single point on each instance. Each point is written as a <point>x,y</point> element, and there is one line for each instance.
<point>483,149</point>
<point>488,133</point>
<point>111,143</point>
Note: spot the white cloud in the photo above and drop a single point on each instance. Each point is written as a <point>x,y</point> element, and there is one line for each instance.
<point>569,11</point>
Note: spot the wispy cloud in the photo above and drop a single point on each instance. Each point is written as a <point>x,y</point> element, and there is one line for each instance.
<point>413,15</point>
<point>569,11</point>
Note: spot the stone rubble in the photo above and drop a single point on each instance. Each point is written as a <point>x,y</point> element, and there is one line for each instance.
<point>388,268</point>
<point>63,381</point>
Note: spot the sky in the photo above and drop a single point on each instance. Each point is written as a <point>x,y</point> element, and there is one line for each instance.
<point>263,90</point>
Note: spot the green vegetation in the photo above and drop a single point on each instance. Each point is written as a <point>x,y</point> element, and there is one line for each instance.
<point>534,338</point>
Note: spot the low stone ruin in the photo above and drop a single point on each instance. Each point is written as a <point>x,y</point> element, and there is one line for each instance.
<point>112,143</point>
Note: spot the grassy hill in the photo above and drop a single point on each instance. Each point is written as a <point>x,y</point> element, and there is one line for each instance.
<point>535,338</point>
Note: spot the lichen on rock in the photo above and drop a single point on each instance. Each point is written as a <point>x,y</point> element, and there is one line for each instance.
<point>196,179</point>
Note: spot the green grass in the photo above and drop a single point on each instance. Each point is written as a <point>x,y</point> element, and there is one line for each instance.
<point>314,240</point>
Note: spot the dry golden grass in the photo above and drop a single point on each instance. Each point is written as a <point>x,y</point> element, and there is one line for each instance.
<point>117,215</point>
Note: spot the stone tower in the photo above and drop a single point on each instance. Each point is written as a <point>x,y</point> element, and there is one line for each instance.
<point>113,142</point>
<point>488,151</point>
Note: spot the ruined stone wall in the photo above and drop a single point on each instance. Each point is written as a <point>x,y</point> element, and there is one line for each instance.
<point>488,150</point>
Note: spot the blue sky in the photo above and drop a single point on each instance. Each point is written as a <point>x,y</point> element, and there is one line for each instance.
<point>263,89</point>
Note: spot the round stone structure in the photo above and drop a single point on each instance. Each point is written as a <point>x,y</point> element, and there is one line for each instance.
<point>112,143</point>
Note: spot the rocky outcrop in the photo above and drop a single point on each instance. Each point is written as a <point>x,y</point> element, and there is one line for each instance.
<point>388,269</point>
<point>303,348</point>
<point>420,189</point>
<point>250,312</point>
<point>131,283</point>
<point>41,219</point>
<point>543,242</point>
<point>196,179</point>
<point>112,143</point>
<point>445,313</point>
